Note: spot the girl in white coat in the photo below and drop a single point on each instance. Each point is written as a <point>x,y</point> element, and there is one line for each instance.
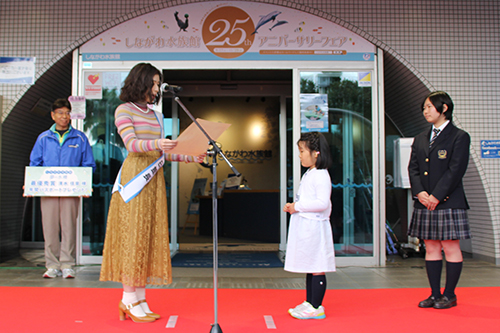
<point>310,240</point>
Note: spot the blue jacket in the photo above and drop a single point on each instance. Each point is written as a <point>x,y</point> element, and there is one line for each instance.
<point>73,149</point>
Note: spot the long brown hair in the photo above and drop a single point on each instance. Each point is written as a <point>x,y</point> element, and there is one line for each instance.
<point>139,82</point>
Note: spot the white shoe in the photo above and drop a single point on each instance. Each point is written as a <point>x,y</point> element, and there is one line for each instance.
<point>303,305</point>
<point>52,273</point>
<point>309,312</point>
<point>68,273</point>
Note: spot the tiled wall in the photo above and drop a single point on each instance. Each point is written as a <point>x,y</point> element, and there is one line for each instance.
<point>448,45</point>
<point>452,46</point>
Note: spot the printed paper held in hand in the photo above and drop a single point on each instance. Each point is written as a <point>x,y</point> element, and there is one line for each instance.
<point>193,142</point>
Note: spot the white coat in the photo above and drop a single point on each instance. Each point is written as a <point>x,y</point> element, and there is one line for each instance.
<point>310,240</point>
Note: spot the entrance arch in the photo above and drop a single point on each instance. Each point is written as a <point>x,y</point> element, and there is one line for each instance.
<point>53,74</point>
<point>249,37</point>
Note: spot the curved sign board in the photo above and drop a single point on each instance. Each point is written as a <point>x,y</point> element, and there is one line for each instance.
<point>217,30</point>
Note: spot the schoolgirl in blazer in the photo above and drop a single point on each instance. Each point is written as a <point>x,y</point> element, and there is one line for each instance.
<point>438,162</point>
<point>439,170</point>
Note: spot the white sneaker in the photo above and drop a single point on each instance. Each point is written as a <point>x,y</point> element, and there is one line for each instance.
<point>52,273</point>
<point>309,312</point>
<point>68,273</point>
<point>299,307</point>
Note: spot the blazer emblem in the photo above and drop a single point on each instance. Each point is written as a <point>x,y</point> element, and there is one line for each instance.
<point>442,154</point>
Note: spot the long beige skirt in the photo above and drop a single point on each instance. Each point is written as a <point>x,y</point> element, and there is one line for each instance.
<point>136,248</point>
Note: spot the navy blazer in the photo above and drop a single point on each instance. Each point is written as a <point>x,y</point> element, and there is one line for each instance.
<point>440,169</point>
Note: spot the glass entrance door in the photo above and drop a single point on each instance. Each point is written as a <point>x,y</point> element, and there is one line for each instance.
<point>109,153</point>
<point>347,119</point>
<point>339,104</point>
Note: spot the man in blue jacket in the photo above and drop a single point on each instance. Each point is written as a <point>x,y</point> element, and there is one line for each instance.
<point>61,145</point>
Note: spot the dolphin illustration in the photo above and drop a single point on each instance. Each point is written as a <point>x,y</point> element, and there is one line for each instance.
<point>277,24</point>
<point>265,19</point>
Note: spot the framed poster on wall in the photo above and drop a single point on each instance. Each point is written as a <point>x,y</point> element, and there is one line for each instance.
<point>313,113</point>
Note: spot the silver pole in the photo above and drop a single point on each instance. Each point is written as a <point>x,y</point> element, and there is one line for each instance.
<point>214,151</point>
<point>215,327</point>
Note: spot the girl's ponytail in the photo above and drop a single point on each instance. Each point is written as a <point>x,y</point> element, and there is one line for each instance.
<point>315,141</point>
<point>324,160</point>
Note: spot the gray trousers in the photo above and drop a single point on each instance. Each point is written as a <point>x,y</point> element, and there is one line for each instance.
<point>59,217</point>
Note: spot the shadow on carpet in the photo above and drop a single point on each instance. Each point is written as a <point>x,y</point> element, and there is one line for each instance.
<point>228,260</point>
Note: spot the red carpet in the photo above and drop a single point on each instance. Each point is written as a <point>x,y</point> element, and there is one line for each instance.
<point>37,309</point>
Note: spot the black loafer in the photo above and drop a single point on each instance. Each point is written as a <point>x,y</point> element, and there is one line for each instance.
<point>427,303</point>
<point>445,302</point>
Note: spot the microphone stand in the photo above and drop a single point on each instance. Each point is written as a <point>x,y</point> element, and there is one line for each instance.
<point>213,153</point>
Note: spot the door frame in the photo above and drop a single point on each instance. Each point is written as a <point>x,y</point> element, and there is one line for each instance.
<point>375,67</point>
<point>250,90</point>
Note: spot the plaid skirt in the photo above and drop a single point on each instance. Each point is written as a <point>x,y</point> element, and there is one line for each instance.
<point>442,224</point>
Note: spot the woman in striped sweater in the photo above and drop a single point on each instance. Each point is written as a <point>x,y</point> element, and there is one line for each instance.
<point>136,248</point>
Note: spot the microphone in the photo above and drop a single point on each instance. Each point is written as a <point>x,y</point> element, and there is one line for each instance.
<point>165,87</point>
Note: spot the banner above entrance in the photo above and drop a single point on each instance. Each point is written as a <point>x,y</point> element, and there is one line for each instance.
<point>230,30</point>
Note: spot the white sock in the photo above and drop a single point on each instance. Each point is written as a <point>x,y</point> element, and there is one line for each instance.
<point>141,295</point>
<point>131,298</point>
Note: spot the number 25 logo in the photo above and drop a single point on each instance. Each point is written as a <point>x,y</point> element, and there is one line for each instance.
<point>227,32</point>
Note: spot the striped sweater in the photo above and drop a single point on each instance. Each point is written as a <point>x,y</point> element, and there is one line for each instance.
<point>141,132</point>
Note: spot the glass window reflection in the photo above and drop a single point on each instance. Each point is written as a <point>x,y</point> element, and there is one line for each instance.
<point>349,133</point>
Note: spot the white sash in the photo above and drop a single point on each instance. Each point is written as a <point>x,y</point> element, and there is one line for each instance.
<point>136,184</point>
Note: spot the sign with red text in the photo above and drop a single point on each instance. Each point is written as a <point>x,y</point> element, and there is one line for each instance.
<point>58,181</point>
<point>225,30</point>
<point>92,84</point>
